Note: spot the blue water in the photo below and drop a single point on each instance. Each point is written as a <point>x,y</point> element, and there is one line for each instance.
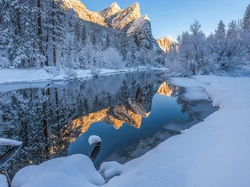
<point>165,109</point>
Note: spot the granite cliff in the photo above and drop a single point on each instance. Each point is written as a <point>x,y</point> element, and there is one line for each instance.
<point>129,20</point>
<point>165,43</point>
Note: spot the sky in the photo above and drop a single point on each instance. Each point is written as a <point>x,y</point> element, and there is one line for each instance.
<point>172,17</point>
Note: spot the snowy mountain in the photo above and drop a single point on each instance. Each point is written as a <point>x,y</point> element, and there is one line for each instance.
<point>82,12</point>
<point>110,11</point>
<point>67,35</point>
<point>165,43</point>
<point>128,20</point>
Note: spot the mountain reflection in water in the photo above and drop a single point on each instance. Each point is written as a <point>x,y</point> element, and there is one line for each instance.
<point>48,117</point>
<point>118,115</point>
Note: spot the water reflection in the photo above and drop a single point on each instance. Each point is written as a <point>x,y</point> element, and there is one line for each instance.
<point>47,118</point>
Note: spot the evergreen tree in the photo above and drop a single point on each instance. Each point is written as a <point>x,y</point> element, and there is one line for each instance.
<point>83,35</point>
<point>246,19</point>
<point>220,44</point>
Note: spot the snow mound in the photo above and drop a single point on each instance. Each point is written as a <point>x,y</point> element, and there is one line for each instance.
<point>194,89</point>
<point>94,139</point>
<point>110,169</point>
<point>22,176</point>
<point>76,170</point>
<point>4,141</point>
<point>3,181</point>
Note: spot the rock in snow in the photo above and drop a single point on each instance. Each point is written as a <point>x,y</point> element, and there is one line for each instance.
<point>94,139</point>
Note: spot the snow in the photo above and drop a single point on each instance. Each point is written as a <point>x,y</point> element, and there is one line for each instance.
<point>39,75</point>
<point>138,23</point>
<point>3,181</point>
<point>94,139</point>
<point>4,141</point>
<point>214,152</point>
<point>110,169</point>
<point>76,170</point>
<point>194,89</point>
<point>22,176</point>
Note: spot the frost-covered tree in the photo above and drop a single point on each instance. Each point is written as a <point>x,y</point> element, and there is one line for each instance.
<point>217,46</point>
<point>112,59</point>
<point>246,32</point>
<point>234,41</point>
<point>246,19</point>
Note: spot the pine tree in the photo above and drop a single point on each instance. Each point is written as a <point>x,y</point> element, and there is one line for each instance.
<point>246,19</point>
<point>220,43</point>
<point>83,35</point>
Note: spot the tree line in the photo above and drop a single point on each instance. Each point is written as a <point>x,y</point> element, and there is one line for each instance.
<point>41,33</point>
<point>228,47</point>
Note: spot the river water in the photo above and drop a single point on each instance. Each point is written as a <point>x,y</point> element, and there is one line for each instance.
<point>131,112</point>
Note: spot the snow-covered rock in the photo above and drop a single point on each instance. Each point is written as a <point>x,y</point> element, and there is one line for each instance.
<point>110,169</point>
<point>3,181</point>
<point>94,139</point>
<point>140,29</point>
<point>4,141</point>
<point>124,17</point>
<point>76,170</point>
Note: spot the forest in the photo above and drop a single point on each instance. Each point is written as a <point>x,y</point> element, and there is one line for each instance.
<point>220,52</point>
<point>42,33</point>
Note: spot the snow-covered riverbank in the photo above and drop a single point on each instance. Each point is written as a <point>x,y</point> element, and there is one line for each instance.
<point>11,76</point>
<point>212,153</point>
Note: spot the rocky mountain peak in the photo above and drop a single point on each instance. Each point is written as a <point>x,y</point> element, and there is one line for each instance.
<point>165,43</point>
<point>124,17</point>
<point>82,12</point>
<point>111,10</point>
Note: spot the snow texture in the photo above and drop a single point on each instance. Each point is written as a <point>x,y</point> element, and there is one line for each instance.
<point>76,170</point>
<point>38,75</point>
<point>4,141</point>
<point>3,181</point>
<point>22,176</point>
<point>194,90</point>
<point>110,169</point>
<point>214,152</point>
<point>94,139</point>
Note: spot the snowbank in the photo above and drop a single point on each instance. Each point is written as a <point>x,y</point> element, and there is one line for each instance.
<point>4,141</point>
<point>3,181</point>
<point>10,76</point>
<point>110,169</point>
<point>75,170</point>
<point>214,152</point>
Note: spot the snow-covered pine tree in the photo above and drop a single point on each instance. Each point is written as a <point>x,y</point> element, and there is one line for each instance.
<point>246,19</point>
<point>198,46</point>
<point>220,44</point>
<point>234,41</point>
<point>246,33</point>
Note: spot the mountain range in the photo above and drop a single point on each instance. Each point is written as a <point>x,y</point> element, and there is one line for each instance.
<point>128,20</point>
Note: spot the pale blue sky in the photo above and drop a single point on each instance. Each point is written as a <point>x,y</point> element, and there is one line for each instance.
<point>172,17</point>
